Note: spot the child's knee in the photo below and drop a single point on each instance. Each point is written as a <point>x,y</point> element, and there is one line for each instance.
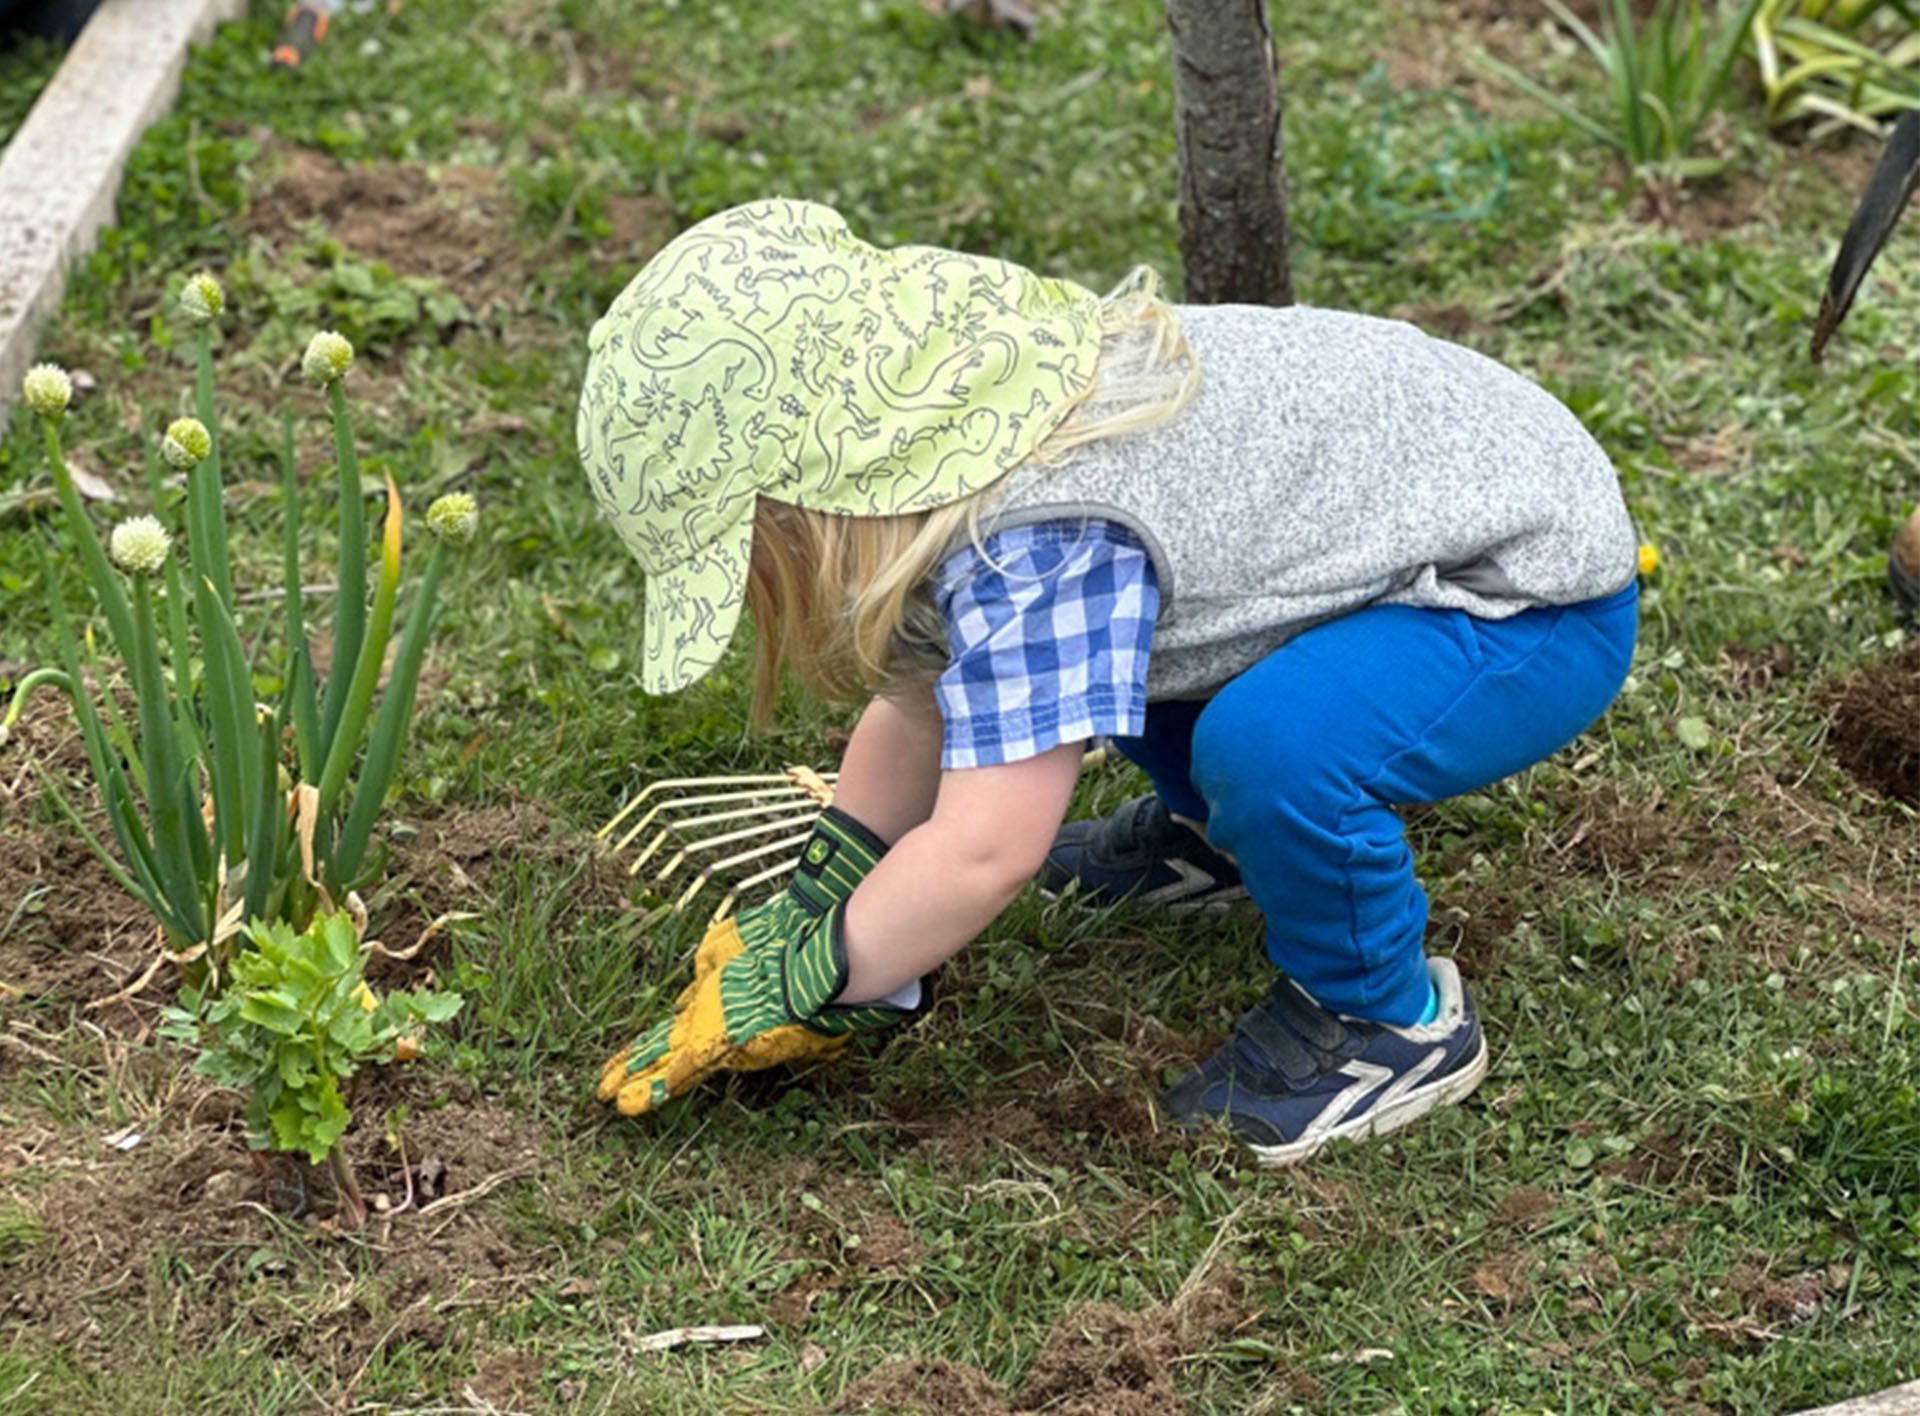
<point>1246,751</point>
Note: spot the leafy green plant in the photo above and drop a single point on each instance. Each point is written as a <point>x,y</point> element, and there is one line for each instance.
<point>1838,63</point>
<point>296,1022</point>
<point>225,810</point>
<point>1665,77</point>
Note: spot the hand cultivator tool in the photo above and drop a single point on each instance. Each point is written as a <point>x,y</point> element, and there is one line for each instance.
<point>722,825</point>
<point>1888,191</point>
<point>764,818</point>
<point>307,25</point>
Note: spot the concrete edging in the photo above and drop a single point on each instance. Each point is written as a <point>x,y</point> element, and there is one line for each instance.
<point>1894,1401</point>
<point>60,174</point>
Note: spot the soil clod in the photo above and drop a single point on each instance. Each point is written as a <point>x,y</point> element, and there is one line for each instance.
<point>1875,733</point>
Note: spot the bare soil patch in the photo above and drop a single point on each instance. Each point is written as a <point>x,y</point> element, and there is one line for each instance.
<point>1647,840</point>
<point>1100,1360</point>
<point>1874,714</point>
<point>450,223</point>
<point>67,932</point>
<point>258,1239</point>
<point>1053,1115</point>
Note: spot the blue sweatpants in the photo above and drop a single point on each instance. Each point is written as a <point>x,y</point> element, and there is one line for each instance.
<point>1295,768</point>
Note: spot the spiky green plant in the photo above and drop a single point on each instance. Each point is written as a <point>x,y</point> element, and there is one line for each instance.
<point>1838,63</point>
<point>1665,78</point>
<point>225,810</point>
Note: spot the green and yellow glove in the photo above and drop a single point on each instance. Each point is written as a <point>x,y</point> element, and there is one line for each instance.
<point>836,859</point>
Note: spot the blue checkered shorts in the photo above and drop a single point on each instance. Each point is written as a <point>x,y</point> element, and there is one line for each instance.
<point>1048,632</point>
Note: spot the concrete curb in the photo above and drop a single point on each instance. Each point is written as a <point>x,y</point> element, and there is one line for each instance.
<point>60,174</point>
<point>1894,1401</point>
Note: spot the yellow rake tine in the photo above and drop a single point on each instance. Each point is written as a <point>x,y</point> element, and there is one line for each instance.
<point>715,842</point>
<point>786,817</point>
<point>762,794</point>
<point>707,874</point>
<point>773,872</point>
<point>672,783</point>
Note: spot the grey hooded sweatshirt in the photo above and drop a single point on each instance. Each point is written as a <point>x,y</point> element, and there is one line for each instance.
<point>1331,461</point>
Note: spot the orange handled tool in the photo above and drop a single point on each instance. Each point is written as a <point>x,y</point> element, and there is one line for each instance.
<point>306,26</point>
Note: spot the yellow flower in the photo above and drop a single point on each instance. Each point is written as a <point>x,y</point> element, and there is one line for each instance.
<point>1649,558</point>
<point>364,996</point>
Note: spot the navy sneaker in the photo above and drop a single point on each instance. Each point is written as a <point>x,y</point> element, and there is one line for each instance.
<point>1143,851</point>
<point>1296,1076</point>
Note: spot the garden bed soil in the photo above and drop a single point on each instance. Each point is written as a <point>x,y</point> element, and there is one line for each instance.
<point>263,1242</point>
<point>452,223</point>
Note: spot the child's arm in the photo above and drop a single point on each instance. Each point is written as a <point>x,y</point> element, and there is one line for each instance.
<point>946,880</point>
<point>890,771</point>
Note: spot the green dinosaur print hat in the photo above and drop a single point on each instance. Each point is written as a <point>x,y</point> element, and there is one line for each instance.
<point>769,352</point>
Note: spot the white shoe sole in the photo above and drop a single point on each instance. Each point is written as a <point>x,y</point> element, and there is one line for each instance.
<point>1455,1086</point>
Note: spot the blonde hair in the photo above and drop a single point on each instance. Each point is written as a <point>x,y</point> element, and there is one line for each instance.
<point>838,599</point>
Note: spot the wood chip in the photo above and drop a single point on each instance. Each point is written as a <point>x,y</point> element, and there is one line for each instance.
<point>681,1337</point>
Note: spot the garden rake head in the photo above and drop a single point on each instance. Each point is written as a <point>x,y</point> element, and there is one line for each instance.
<point>754,825</point>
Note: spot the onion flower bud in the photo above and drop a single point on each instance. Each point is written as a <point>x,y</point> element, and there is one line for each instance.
<point>139,545</point>
<point>455,518</point>
<point>329,355</point>
<point>186,444</point>
<point>47,390</point>
<point>202,299</point>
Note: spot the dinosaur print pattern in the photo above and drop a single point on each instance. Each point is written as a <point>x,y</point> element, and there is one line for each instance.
<point>767,351</point>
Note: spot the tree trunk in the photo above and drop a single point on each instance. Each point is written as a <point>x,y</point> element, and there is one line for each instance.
<point>1233,178</point>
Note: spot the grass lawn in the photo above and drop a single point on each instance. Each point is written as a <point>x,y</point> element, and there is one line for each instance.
<point>1692,1179</point>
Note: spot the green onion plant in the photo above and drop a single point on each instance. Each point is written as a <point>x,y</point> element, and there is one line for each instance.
<point>226,811</point>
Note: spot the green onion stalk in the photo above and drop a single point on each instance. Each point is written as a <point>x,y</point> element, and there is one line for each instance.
<point>201,787</point>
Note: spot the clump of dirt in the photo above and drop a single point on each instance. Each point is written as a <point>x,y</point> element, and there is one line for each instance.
<point>1100,1360</point>
<point>193,1201</point>
<point>1502,1278</point>
<point>1612,836</point>
<point>1700,211</point>
<point>1471,925</point>
<point>922,1386</point>
<point>844,1218</point>
<point>1066,1117</point>
<point>1786,1302</point>
<point>1051,1117</point>
<point>1874,724</point>
<point>452,224</point>
<point>1524,1209</point>
<point>1648,841</point>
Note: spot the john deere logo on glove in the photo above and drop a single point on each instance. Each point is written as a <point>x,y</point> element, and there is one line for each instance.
<point>818,854</point>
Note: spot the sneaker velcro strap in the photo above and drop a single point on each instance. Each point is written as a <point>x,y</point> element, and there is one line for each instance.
<point>1306,1017</point>
<point>1283,1048</point>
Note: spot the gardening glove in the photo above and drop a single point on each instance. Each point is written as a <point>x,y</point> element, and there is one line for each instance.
<point>838,856</point>
<point>769,1001</point>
